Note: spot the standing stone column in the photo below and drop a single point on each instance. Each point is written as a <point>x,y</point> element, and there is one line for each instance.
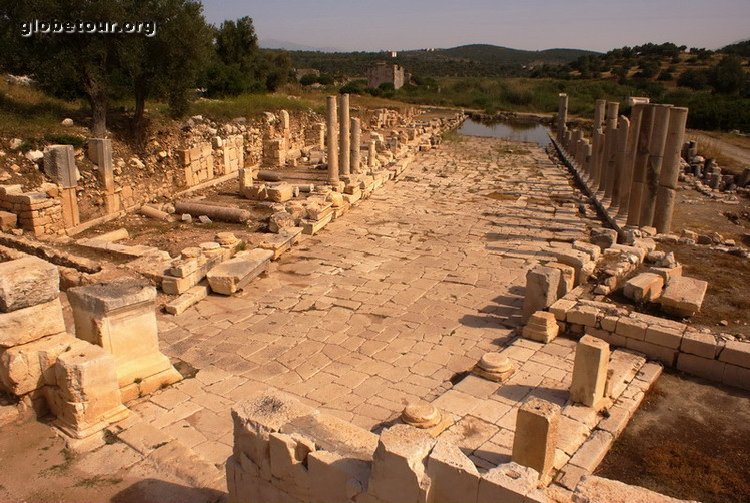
<point>574,140</point>
<point>623,128</point>
<point>356,140</point>
<point>599,141</point>
<point>610,148</point>
<point>333,142</point>
<point>653,167</point>
<point>100,152</point>
<point>670,170</point>
<point>371,152</point>
<point>596,138</point>
<point>562,115</point>
<point>639,164</point>
<point>581,156</point>
<point>599,108</point>
<point>344,139</point>
<point>626,177</point>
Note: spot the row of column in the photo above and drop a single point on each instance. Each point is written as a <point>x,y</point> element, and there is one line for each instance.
<point>344,136</point>
<point>630,164</point>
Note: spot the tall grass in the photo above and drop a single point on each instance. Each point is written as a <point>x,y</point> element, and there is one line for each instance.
<point>26,111</point>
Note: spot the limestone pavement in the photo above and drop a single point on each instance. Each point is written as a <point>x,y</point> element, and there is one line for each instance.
<point>390,304</point>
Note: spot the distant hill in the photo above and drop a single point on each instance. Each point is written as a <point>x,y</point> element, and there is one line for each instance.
<point>481,60</point>
<point>272,43</point>
<point>493,54</point>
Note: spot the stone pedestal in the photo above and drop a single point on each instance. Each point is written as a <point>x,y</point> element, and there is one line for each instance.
<point>332,141</point>
<point>120,317</point>
<point>355,160</point>
<point>86,397</point>
<point>344,139</point>
<point>590,372</point>
<point>535,438</point>
<point>670,171</point>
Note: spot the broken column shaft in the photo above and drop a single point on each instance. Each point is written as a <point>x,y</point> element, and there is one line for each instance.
<point>623,129</point>
<point>626,177</point>
<point>653,167</point>
<point>355,159</point>
<point>639,164</point>
<point>670,170</point>
<point>332,140</point>
<point>344,139</point>
<point>562,115</point>
<point>610,149</point>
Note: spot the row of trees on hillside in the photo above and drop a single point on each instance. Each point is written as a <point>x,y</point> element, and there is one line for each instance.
<point>184,54</point>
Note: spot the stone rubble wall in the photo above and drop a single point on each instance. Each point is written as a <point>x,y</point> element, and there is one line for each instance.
<point>672,343</point>
<point>48,369</point>
<point>36,212</point>
<point>286,451</point>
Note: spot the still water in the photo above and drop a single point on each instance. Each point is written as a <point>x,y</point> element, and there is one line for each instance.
<point>508,130</point>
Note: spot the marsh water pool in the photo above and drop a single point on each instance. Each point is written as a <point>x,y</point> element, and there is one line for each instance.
<point>507,130</point>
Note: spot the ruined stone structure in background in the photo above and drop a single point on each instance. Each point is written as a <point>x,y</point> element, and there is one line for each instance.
<point>382,73</point>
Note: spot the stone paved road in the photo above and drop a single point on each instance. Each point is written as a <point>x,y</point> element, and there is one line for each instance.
<point>385,306</point>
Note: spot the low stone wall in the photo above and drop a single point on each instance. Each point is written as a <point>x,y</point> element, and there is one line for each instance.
<point>36,212</point>
<point>672,343</point>
<point>286,451</point>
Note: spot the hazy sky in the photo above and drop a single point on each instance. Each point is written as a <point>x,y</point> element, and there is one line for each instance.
<point>523,24</point>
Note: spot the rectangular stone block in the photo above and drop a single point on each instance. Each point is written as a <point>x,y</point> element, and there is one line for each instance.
<point>26,282</point>
<point>535,437</point>
<point>60,165</point>
<point>507,483</point>
<point>592,452</point>
<point>31,323</point>
<point>713,370</point>
<point>453,476</point>
<point>86,398</point>
<point>186,300</point>
<point>567,278</point>
<point>589,372</point>
<point>8,221</point>
<point>335,478</point>
<point>736,353</point>
<point>700,344</point>
<point>662,336</point>
<point>631,328</point>
<point>653,351</point>
<point>683,296</point>
<point>398,465</point>
<point>28,367</point>
<point>738,377</point>
<point>542,285</point>
<point>561,307</point>
<point>233,275</point>
<point>645,287</point>
<point>583,315</point>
